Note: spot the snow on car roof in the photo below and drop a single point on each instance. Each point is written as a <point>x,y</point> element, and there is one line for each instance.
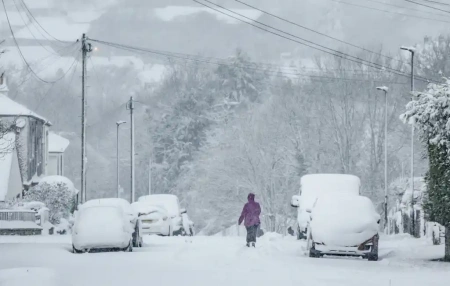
<point>169,202</point>
<point>113,202</point>
<point>147,207</point>
<point>316,185</point>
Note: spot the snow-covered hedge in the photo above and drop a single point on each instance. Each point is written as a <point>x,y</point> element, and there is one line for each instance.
<point>57,193</point>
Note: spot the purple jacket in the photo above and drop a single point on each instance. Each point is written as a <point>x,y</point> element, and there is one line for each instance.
<point>250,213</point>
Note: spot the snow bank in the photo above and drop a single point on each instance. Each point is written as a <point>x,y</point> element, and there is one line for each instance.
<point>344,220</point>
<point>169,202</point>
<point>30,276</point>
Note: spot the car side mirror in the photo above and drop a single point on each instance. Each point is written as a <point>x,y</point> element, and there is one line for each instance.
<point>308,211</point>
<point>295,201</point>
<point>183,211</point>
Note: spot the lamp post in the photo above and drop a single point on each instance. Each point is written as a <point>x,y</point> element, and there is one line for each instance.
<point>413,222</point>
<point>385,90</point>
<point>118,123</point>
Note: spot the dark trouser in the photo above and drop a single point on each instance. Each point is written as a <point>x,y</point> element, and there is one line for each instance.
<point>251,233</point>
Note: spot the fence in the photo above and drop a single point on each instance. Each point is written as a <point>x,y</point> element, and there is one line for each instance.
<point>18,215</point>
<point>19,222</point>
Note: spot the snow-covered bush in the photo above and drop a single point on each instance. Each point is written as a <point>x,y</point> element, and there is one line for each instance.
<point>57,193</point>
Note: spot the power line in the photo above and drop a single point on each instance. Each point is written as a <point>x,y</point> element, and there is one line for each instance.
<point>333,52</point>
<point>21,54</point>
<point>428,6</point>
<point>71,79</point>
<point>31,15</point>
<point>391,12</point>
<point>437,2</point>
<point>406,8</point>
<point>192,58</point>
<point>28,28</point>
<point>314,31</point>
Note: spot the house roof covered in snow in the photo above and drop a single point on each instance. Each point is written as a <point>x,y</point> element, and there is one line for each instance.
<point>9,107</point>
<point>56,143</point>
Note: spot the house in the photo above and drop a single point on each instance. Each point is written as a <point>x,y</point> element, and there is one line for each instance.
<point>56,147</point>
<point>23,146</point>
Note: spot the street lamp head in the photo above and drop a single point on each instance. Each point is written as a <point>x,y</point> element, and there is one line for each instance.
<point>409,49</point>
<point>120,122</point>
<point>383,88</point>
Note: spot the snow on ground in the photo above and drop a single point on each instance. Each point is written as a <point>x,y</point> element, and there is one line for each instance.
<point>226,261</point>
<point>30,276</point>
<point>170,13</point>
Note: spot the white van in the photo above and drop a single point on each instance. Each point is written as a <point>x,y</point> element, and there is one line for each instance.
<point>314,186</point>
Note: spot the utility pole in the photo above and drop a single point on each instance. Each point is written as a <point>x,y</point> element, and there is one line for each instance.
<point>85,48</point>
<point>118,123</point>
<point>385,90</point>
<point>413,221</point>
<point>131,107</point>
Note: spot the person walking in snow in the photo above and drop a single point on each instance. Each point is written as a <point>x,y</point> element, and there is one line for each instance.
<point>250,217</point>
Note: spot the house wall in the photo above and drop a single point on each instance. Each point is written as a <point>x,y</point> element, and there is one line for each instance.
<point>15,186</point>
<point>55,164</point>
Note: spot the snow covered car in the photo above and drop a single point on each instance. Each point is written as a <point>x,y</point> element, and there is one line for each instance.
<point>345,226</point>
<point>101,228</point>
<point>154,219</point>
<point>172,205</point>
<point>129,212</point>
<point>314,186</point>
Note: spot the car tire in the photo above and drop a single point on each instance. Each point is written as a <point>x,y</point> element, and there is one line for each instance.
<point>372,257</point>
<point>76,251</point>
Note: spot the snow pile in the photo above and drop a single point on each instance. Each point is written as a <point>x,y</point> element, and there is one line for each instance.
<point>169,202</point>
<point>344,220</point>
<point>30,276</point>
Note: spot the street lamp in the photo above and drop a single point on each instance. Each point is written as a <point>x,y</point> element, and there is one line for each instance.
<point>118,123</point>
<point>385,90</point>
<point>412,50</point>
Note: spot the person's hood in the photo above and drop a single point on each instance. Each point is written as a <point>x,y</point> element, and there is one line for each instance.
<point>251,197</point>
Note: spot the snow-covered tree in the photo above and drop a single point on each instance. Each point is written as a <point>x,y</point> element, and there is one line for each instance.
<point>430,113</point>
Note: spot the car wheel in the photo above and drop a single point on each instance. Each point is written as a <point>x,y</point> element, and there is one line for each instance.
<point>74,250</point>
<point>372,257</point>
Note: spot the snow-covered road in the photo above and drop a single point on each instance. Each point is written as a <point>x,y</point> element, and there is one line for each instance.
<point>224,261</point>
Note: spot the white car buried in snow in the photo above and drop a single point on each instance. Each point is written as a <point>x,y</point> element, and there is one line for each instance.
<point>101,228</point>
<point>314,186</point>
<point>154,219</point>
<point>129,212</point>
<point>344,226</point>
<point>172,205</point>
